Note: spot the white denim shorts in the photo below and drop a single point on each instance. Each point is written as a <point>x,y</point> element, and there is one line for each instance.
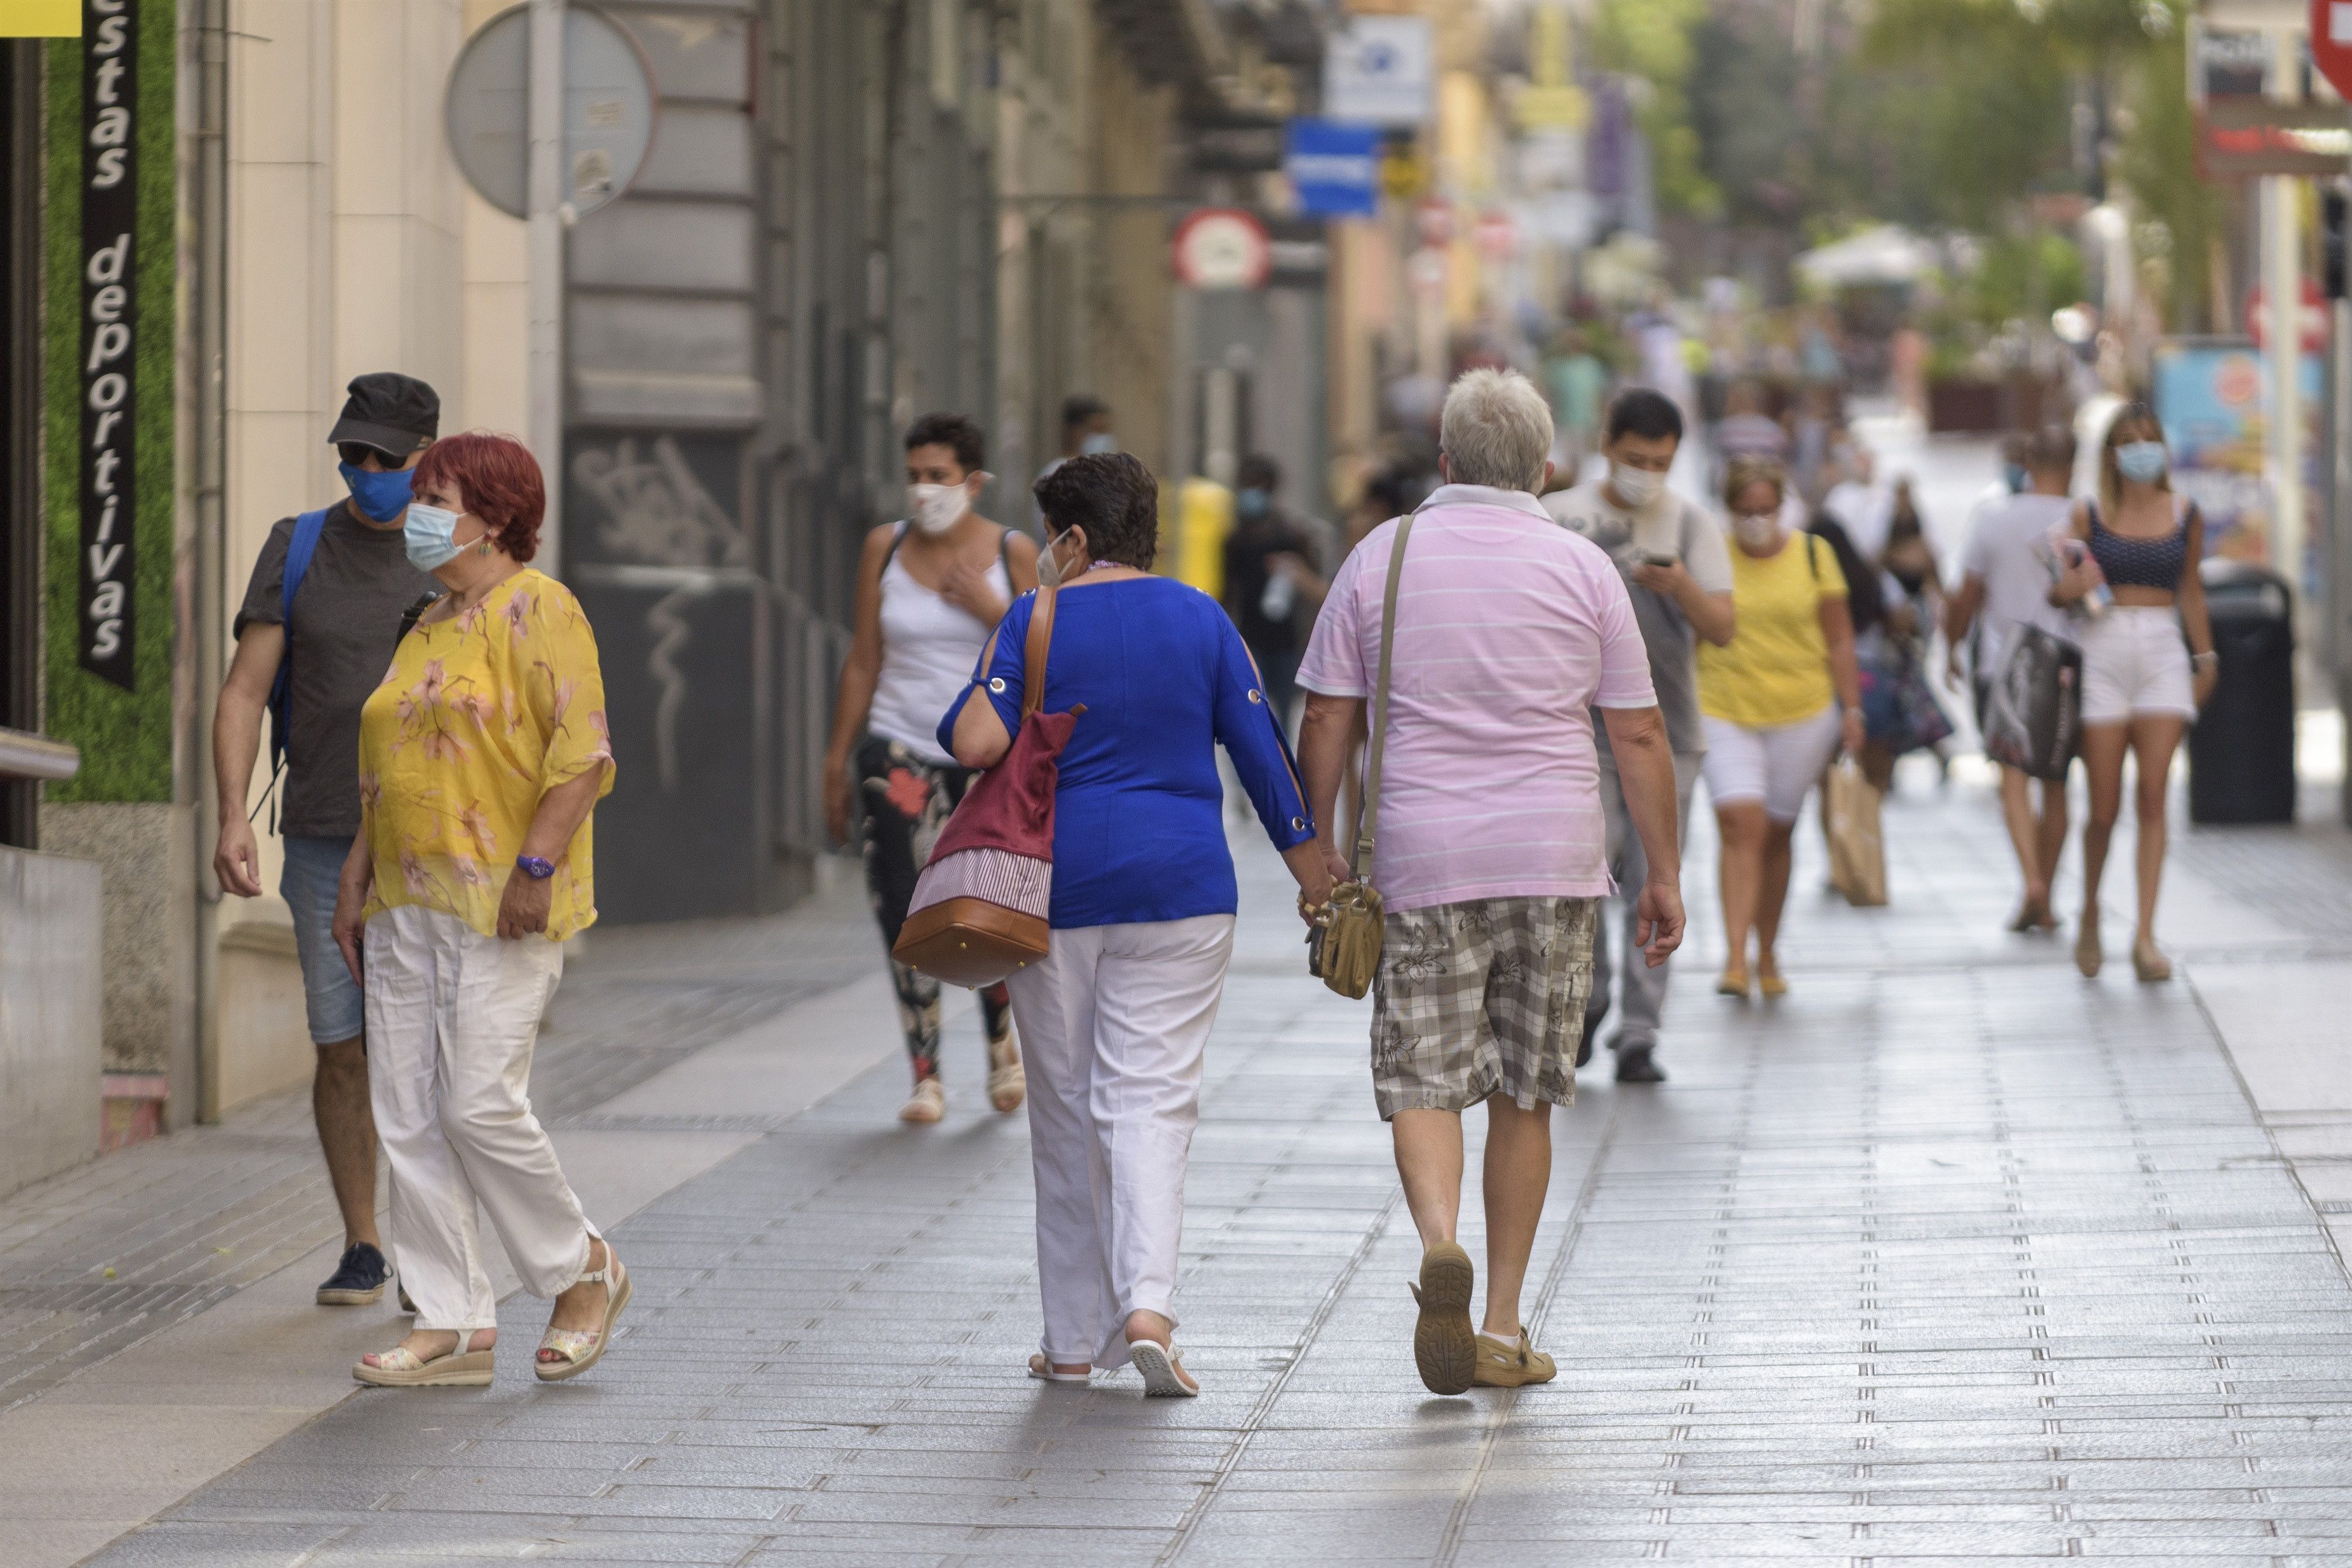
<point>1775,765</point>
<point>2135,662</point>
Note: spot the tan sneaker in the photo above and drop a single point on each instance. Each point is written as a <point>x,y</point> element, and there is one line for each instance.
<point>1511,1363</point>
<point>927,1104</point>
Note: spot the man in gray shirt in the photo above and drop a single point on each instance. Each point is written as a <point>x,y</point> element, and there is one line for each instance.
<point>1677,572</point>
<point>333,650</point>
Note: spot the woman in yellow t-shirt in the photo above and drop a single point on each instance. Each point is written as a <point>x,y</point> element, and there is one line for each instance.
<point>1778,701</point>
<point>481,757</point>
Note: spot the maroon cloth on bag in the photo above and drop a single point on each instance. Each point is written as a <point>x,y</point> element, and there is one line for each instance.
<point>1010,806</point>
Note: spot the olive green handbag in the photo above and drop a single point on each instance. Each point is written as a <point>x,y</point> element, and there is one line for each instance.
<point>1343,950</point>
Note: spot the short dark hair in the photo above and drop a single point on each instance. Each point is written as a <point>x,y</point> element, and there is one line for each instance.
<point>1113,498</point>
<point>951,430</point>
<point>2053,447</point>
<point>1262,471</point>
<point>1646,413</point>
<point>1079,407</point>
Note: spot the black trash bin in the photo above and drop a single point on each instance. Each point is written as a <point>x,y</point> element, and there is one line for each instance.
<point>2242,751</point>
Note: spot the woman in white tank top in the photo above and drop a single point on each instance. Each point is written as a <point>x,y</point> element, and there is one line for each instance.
<point>931,590</point>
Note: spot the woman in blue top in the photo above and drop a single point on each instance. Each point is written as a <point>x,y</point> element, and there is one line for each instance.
<point>1114,1020</point>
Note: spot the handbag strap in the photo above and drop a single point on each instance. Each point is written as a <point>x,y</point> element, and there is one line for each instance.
<point>1040,638</point>
<point>1359,865</point>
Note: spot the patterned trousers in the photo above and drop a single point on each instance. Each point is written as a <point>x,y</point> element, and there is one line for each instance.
<point>907,801</point>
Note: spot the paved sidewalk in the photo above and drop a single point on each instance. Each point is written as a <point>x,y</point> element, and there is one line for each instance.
<point>1950,1255</point>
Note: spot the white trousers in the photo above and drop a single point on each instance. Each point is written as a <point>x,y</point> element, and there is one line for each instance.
<point>1113,1022</point>
<point>452,1016</point>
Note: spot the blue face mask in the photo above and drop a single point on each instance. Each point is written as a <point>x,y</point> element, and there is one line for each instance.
<point>2018,478</point>
<point>1100,441</point>
<point>431,536</point>
<point>1252,504</point>
<point>380,496</point>
<point>2141,462</point>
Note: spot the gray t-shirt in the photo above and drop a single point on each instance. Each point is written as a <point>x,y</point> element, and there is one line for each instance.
<point>1670,524</point>
<point>2007,544</point>
<point>346,624</point>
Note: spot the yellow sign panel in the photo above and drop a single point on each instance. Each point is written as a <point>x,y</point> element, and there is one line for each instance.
<point>40,18</point>
<point>1553,108</point>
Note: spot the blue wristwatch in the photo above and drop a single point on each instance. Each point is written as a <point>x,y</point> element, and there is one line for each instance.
<point>537,870</point>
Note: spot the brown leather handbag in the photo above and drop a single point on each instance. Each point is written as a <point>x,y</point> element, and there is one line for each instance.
<point>1343,950</point>
<point>980,905</point>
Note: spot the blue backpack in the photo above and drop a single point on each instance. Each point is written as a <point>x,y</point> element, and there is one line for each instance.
<point>299,551</point>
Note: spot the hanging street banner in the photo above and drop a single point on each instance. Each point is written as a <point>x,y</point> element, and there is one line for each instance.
<point>109,345</point>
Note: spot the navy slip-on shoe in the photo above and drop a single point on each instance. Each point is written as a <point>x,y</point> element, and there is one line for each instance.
<point>358,1280</point>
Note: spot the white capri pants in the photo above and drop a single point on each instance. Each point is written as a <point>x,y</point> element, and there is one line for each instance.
<point>1776,765</point>
<point>452,1016</point>
<point>2135,662</point>
<point>1113,1021</point>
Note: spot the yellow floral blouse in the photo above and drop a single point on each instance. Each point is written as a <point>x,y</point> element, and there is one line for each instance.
<point>477,719</point>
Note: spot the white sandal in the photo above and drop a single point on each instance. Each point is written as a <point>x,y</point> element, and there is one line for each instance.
<point>1008,1082</point>
<point>1043,1371</point>
<point>582,1348</point>
<point>1162,1370</point>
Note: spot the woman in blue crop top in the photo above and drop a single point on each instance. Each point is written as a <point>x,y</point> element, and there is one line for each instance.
<point>1114,1019</point>
<point>2141,688</point>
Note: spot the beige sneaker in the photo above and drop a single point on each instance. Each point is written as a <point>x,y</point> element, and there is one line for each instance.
<point>927,1104</point>
<point>1511,1363</point>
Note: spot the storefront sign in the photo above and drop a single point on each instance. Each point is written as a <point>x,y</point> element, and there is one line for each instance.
<point>2213,398</point>
<point>109,211</point>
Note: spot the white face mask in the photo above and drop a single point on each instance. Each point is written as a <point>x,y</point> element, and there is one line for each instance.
<point>936,509</point>
<point>1049,565</point>
<point>1637,488</point>
<point>1755,529</point>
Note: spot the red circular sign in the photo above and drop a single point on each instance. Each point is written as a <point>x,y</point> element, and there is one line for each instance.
<point>1223,247</point>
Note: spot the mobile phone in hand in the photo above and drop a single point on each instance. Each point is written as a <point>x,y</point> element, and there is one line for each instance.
<point>1654,558</point>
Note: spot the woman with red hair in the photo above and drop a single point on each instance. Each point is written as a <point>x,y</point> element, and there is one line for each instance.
<point>481,757</point>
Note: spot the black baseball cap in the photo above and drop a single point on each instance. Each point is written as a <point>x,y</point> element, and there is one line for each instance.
<point>390,411</point>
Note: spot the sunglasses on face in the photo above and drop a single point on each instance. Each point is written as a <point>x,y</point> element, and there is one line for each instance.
<point>357,454</point>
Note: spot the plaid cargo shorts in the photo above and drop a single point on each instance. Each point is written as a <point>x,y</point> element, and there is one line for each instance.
<point>1481,998</point>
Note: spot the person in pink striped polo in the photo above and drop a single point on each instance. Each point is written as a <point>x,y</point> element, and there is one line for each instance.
<point>1491,855</point>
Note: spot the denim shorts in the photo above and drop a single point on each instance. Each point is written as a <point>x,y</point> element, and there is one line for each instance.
<point>314,869</point>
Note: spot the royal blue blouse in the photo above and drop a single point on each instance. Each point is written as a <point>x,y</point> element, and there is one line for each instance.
<point>1138,815</point>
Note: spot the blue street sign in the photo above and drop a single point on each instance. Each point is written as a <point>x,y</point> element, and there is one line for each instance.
<point>1334,169</point>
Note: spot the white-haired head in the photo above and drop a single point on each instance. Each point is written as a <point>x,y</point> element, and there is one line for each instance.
<point>1496,430</point>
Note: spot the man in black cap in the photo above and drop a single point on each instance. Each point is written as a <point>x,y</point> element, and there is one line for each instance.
<point>314,636</point>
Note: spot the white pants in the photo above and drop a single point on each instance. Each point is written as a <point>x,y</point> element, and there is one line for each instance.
<point>1776,766</point>
<point>2134,662</point>
<point>451,1018</point>
<point>1113,1022</point>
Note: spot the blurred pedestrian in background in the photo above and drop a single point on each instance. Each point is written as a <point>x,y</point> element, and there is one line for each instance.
<point>1575,379</point>
<point>1275,578</point>
<point>1780,700</point>
<point>320,620</point>
<point>1859,504</point>
<point>2134,571</point>
<point>1491,850</point>
<point>1086,429</point>
<point>2005,587</point>
<point>930,588</point>
<point>481,757</point>
<point>1746,430</point>
<point>1677,574</point>
<point>1900,714</point>
<point>1116,1016</point>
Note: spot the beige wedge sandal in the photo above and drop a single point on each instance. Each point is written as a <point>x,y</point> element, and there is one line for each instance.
<point>401,1368</point>
<point>582,1348</point>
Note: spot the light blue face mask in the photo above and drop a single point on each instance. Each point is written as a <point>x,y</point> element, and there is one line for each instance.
<point>1100,441</point>
<point>380,496</point>
<point>2141,462</point>
<point>431,536</point>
